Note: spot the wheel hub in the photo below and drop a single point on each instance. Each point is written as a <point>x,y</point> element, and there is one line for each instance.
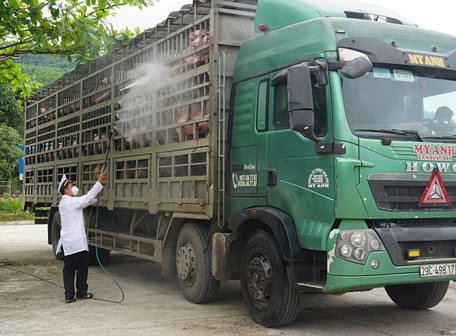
<point>186,262</point>
<point>260,278</point>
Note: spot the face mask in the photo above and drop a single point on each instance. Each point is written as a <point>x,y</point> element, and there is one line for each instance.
<point>75,190</point>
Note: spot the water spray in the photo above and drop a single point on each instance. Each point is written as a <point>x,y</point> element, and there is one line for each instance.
<point>138,90</point>
<point>153,77</point>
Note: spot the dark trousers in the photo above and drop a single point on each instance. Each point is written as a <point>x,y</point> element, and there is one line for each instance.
<point>76,264</point>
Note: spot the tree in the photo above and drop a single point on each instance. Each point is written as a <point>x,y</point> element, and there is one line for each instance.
<point>73,28</point>
<point>11,113</point>
<point>9,153</point>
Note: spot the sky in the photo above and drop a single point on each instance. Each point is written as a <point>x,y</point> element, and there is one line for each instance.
<point>435,15</point>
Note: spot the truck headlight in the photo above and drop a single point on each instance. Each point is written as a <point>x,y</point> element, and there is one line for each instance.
<point>358,239</point>
<point>356,245</point>
<point>346,251</point>
<point>359,254</point>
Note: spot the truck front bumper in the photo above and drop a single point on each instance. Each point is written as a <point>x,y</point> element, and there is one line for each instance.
<point>346,276</point>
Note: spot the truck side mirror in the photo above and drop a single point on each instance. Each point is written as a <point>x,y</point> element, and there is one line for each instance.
<point>356,68</point>
<point>300,101</point>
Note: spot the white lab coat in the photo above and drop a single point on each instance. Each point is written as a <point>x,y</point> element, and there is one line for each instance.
<point>73,236</point>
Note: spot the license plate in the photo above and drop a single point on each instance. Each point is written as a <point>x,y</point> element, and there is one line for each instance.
<point>437,270</point>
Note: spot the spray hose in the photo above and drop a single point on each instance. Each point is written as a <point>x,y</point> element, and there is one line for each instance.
<point>103,169</point>
<point>5,263</point>
<point>102,267</point>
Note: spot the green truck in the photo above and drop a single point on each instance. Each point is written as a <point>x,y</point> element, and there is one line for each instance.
<point>294,145</point>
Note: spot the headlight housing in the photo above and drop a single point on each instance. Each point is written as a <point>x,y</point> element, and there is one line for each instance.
<point>356,245</point>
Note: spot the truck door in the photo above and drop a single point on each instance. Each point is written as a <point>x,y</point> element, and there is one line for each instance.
<point>247,180</point>
<point>300,181</point>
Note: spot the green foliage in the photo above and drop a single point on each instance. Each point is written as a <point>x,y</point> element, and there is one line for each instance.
<point>46,61</point>
<point>21,216</point>
<point>11,209</point>
<point>10,74</point>
<point>44,69</point>
<point>11,113</point>
<point>10,204</point>
<point>43,74</point>
<point>74,28</point>
<point>9,152</point>
<point>16,185</point>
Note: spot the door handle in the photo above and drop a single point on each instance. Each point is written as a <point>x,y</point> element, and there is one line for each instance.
<point>272,177</point>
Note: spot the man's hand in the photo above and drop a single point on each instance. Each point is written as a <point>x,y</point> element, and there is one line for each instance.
<point>102,176</point>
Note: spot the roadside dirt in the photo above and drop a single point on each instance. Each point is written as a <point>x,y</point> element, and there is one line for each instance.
<point>154,305</point>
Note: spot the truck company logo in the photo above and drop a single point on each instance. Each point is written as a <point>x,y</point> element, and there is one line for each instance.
<point>427,60</point>
<point>435,193</point>
<point>429,152</point>
<point>427,167</point>
<point>434,152</point>
<point>244,180</point>
<point>318,179</point>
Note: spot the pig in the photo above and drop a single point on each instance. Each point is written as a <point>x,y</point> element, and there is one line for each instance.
<point>182,116</point>
<point>197,113</point>
<point>198,39</point>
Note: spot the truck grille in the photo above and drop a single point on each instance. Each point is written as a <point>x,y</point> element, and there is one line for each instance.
<point>402,192</point>
<point>435,239</point>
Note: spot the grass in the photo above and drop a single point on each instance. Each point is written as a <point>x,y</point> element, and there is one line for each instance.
<point>11,210</point>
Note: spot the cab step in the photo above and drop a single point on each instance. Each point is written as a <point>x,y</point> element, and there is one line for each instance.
<point>311,285</point>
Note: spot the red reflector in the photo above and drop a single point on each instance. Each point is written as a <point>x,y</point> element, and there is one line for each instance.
<point>253,212</point>
<point>435,193</point>
<point>262,27</point>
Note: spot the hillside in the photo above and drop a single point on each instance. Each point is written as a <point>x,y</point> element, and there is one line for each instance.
<point>44,69</point>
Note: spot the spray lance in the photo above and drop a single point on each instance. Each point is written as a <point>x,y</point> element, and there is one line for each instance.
<point>103,169</point>
<point>108,149</point>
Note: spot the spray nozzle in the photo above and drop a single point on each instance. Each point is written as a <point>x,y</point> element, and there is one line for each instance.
<point>103,167</point>
<point>108,147</point>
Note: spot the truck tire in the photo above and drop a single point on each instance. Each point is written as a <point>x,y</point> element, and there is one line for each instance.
<point>266,291</point>
<point>55,235</point>
<point>103,255</point>
<point>418,296</point>
<point>193,263</point>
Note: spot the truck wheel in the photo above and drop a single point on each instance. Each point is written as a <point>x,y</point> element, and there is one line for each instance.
<point>193,263</point>
<point>103,255</point>
<point>55,235</point>
<point>266,291</point>
<point>418,296</point>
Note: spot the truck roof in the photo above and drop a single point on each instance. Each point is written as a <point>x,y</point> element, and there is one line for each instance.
<point>319,37</point>
<point>277,14</point>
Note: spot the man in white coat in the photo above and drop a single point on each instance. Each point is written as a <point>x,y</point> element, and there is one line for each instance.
<point>73,238</point>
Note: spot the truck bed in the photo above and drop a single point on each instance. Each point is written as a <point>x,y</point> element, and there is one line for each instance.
<point>165,155</point>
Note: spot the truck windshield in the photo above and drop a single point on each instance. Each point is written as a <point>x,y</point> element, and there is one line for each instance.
<point>401,104</point>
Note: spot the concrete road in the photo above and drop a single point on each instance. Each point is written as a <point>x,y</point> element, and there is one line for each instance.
<point>154,305</point>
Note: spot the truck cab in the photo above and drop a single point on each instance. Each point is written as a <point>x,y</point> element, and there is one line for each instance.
<point>342,166</point>
<point>298,146</point>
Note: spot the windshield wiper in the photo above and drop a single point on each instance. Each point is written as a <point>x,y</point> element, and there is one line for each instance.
<point>441,137</point>
<point>392,131</point>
